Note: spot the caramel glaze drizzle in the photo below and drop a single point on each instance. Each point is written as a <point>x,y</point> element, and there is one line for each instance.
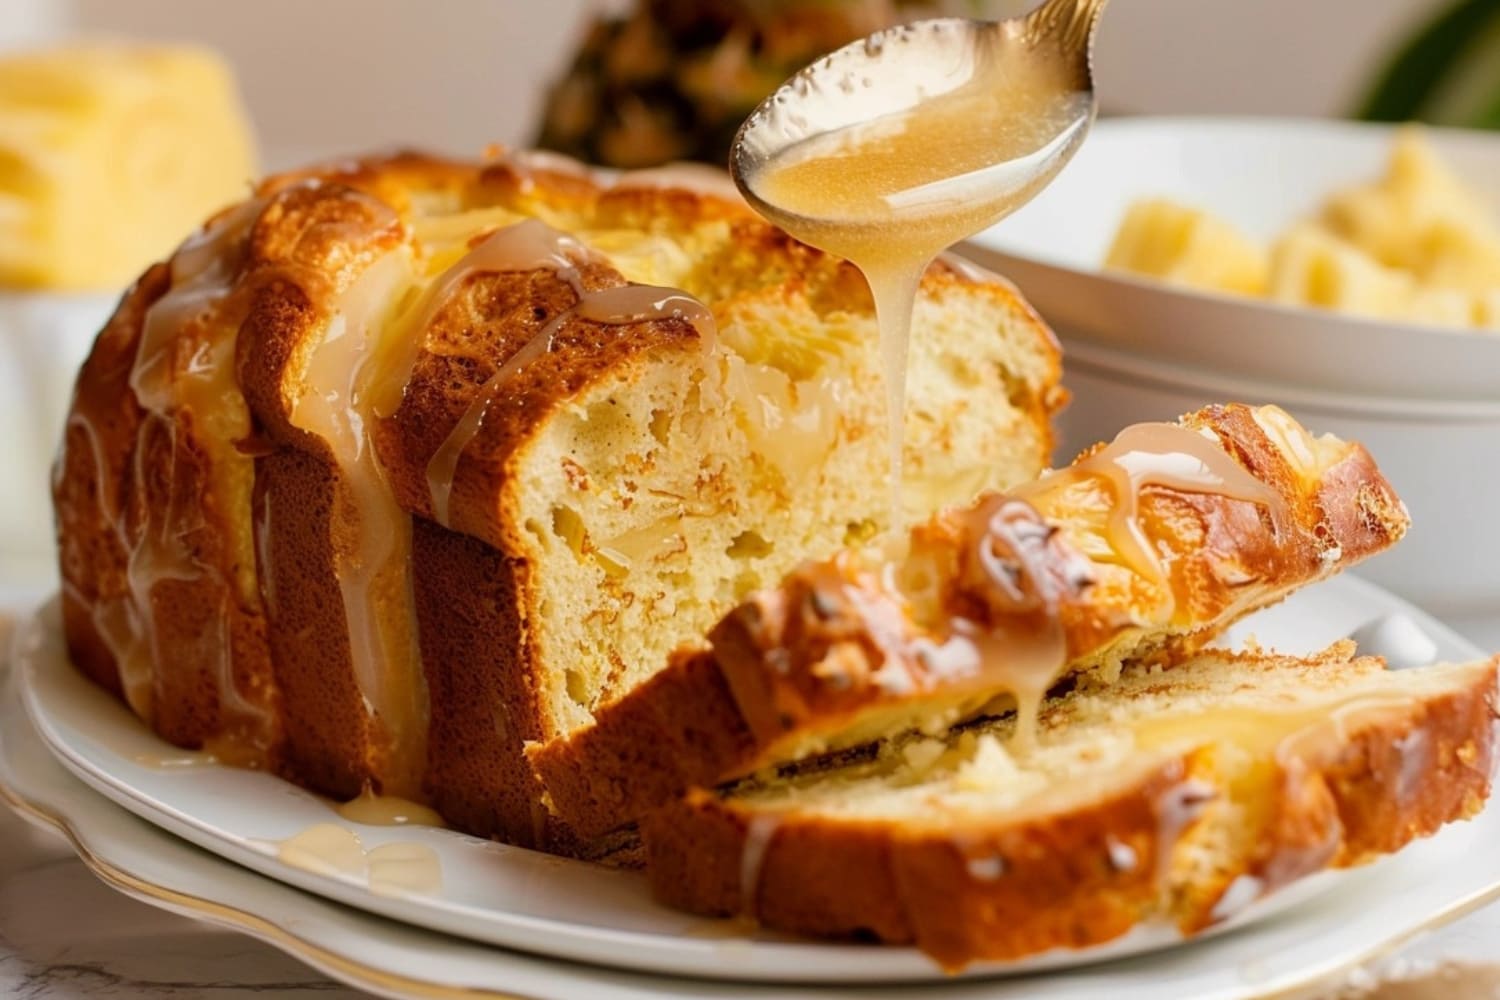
<point>760,830</point>
<point>204,271</point>
<point>1015,572</point>
<point>1166,455</point>
<point>528,246</point>
<point>357,375</point>
<point>1010,574</point>
<point>372,559</point>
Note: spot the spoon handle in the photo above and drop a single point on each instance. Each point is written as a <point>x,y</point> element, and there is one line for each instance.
<point>1067,23</point>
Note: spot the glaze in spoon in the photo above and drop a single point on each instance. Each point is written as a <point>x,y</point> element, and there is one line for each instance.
<point>895,147</point>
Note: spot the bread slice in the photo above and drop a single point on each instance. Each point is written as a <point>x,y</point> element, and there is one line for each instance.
<point>852,649</point>
<point>1182,795</point>
<point>160,598</point>
<point>370,485</point>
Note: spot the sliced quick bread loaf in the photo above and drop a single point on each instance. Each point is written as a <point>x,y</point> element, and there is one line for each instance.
<point>405,462</point>
<point>1181,794</point>
<point>1140,550</point>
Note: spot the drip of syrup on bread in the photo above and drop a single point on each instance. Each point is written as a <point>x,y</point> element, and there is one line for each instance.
<point>530,245</point>
<point>358,376</point>
<point>197,311</point>
<point>1031,576</point>
<point>373,551</point>
<point>1022,575</point>
<point>890,194</point>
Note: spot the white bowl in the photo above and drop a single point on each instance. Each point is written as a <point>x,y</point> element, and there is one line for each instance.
<point>1425,401</point>
<point>44,337</point>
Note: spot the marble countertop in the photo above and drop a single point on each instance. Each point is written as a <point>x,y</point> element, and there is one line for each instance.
<point>64,935</point>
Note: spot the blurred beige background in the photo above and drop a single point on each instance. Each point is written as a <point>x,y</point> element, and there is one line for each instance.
<point>327,76</point>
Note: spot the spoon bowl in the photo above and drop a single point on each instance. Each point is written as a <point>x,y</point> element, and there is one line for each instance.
<point>1017,99</point>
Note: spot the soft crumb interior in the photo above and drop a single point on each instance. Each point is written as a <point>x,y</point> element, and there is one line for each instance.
<point>666,493</point>
<point>1245,707</point>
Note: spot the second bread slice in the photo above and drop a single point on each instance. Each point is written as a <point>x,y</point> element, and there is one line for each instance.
<point>1182,795</point>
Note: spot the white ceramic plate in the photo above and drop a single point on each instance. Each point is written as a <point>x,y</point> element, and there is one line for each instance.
<point>1372,912</point>
<point>533,902</point>
<point>490,892</point>
<point>1261,175</point>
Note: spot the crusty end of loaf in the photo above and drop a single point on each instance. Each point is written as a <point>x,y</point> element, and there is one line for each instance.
<point>951,892</point>
<point>1346,792</point>
<point>92,484</point>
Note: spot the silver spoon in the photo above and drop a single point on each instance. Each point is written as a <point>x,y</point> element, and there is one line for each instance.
<point>893,72</point>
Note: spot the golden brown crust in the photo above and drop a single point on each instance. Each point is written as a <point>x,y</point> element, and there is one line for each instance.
<point>93,481</point>
<point>311,241</point>
<point>967,889</point>
<point>672,732</point>
<point>314,238</point>
<point>962,893</point>
<point>1070,860</point>
<point>328,736</point>
<point>483,700</point>
<point>167,622</point>
<point>310,236</point>
<point>1392,781</point>
<point>780,681</point>
<point>325,229</point>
